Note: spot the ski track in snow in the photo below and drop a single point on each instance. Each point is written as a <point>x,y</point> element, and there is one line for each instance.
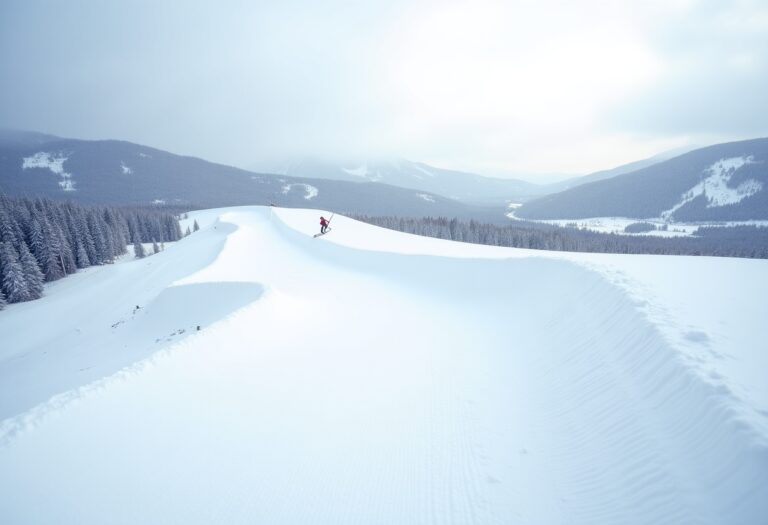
<point>374,387</point>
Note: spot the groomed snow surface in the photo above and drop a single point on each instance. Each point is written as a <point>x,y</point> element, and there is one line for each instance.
<point>374,377</point>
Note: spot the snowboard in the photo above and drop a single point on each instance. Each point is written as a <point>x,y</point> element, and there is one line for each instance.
<point>319,234</point>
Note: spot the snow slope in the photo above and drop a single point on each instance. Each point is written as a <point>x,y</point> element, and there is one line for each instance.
<point>370,376</point>
<point>55,163</point>
<point>715,186</point>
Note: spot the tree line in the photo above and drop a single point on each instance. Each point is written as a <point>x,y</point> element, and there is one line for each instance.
<point>741,241</point>
<point>42,240</point>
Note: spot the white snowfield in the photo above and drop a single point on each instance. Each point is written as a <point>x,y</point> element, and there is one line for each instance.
<point>715,186</point>
<point>375,377</point>
<point>425,197</point>
<point>310,192</point>
<point>53,162</point>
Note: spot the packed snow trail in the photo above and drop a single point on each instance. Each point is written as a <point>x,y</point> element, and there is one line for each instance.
<point>366,387</point>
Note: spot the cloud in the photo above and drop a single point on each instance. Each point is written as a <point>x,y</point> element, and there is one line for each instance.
<point>492,85</point>
<point>715,75</point>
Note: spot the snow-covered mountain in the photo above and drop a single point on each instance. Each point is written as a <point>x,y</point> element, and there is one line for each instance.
<point>725,182</point>
<point>253,374</point>
<point>466,187</point>
<point>118,172</point>
<point>462,186</point>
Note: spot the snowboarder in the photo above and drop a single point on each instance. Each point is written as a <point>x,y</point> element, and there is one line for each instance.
<point>323,225</point>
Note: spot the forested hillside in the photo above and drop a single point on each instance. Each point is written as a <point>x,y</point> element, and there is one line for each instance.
<point>738,241</point>
<point>724,182</point>
<point>43,240</point>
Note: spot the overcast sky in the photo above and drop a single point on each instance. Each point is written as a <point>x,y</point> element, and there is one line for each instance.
<point>497,87</point>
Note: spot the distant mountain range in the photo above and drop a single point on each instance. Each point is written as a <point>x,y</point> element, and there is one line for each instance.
<point>724,182</point>
<point>618,170</point>
<point>118,172</point>
<point>720,182</point>
<point>470,188</point>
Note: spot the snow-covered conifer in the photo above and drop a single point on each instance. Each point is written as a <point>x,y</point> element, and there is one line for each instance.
<point>32,274</point>
<point>99,242</point>
<point>12,280</point>
<point>138,249</point>
<point>81,256</point>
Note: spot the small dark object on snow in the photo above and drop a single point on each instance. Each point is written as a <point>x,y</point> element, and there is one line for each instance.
<point>198,328</point>
<point>324,225</point>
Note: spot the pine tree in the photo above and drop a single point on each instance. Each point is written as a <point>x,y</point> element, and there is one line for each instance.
<point>51,263</point>
<point>12,280</point>
<point>133,229</point>
<point>81,256</point>
<point>85,239</point>
<point>195,226</point>
<point>118,232</point>
<point>32,274</point>
<point>66,255</point>
<point>36,242</point>
<point>187,233</point>
<point>109,244</point>
<point>155,247</point>
<point>2,300</point>
<point>99,243</point>
<point>7,230</point>
<point>138,249</point>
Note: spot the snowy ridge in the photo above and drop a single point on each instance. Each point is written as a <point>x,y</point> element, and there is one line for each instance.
<point>55,163</point>
<point>360,171</point>
<point>715,186</point>
<point>364,172</point>
<point>422,170</point>
<point>418,381</point>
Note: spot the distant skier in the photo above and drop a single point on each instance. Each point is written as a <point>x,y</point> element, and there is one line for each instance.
<point>323,225</point>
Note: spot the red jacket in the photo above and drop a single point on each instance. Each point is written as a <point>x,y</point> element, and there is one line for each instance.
<point>323,222</point>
